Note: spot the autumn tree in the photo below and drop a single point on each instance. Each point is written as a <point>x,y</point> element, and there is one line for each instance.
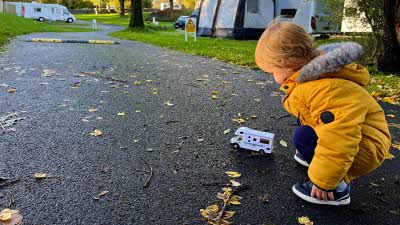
<point>189,4</point>
<point>389,61</point>
<point>136,14</point>
<point>171,4</point>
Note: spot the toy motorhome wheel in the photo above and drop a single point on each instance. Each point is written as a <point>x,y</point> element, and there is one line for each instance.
<point>41,19</point>
<point>70,20</point>
<point>236,146</point>
<point>261,151</point>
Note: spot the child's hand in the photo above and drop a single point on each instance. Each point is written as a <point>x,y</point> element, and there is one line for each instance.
<point>321,194</point>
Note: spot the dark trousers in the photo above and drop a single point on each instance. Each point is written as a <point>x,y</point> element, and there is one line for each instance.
<point>305,139</point>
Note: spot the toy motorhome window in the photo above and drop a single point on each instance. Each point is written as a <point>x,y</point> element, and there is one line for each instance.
<point>37,9</point>
<point>252,6</point>
<point>264,141</point>
<point>289,13</point>
<point>254,139</point>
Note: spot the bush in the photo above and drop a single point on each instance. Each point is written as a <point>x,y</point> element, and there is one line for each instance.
<point>168,15</point>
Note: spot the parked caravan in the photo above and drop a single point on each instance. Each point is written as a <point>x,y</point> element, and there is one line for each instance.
<point>314,17</point>
<point>356,23</point>
<point>247,19</point>
<point>239,19</point>
<point>42,12</point>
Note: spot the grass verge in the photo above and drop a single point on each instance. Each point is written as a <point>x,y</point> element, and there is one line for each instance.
<point>11,26</point>
<point>383,86</point>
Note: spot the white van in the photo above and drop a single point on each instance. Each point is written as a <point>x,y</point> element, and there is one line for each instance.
<point>313,16</point>
<point>42,12</point>
<point>254,140</point>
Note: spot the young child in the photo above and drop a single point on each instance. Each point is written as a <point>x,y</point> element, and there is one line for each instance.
<point>342,131</point>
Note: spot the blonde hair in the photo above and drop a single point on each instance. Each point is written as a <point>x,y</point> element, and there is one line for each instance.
<point>284,44</point>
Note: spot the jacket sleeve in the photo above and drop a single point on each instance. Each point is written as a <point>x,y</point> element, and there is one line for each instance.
<point>339,115</point>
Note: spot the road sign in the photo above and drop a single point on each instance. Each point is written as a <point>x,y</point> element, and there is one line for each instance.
<point>190,27</point>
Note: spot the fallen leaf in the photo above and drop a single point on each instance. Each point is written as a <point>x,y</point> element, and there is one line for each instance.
<point>168,103</point>
<point>257,100</point>
<point>100,195</point>
<point>389,100</point>
<point>148,81</point>
<point>215,92</point>
<point>138,111</point>
<point>210,212</point>
<point>135,141</point>
<point>283,143</point>
<point>12,90</point>
<point>227,131</point>
<point>49,72</point>
<point>10,217</point>
<point>239,120</point>
<point>85,120</point>
<point>374,94</point>
<point>96,133</point>
<point>235,183</point>
<point>155,93</point>
<point>234,200</point>
<point>305,220</point>
<point>200,139</point>
<point>390,156</point>
<point>228,214</point>
<point>121,114</point>
<point>391,115</point>
<point>253,117</point>
<point>233,174</point>
<point>93,109</point>
<point>136,82</point>
<point>396,145</point>
<point>40,175</point>
<point>214,97</point>
<point>4,85</point>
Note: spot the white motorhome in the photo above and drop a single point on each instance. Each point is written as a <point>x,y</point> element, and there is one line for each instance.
<point>314,17</point>
<point>247,19</point>
<point>254,140</point>
<point>42,12</point>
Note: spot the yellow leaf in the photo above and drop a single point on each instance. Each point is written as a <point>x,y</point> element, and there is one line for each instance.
<point>12,90</point>
<point>6,214</point>
<point>148,81</point>
<point>155,93</point>
<point>396,145</point>
<point>235,183</point>
<point>389,100</point>
<point>234,200</point>
<point>233,174</point>
<point>40,175</point>
<point>210,212</point>
<point>227,131</point>
<point>214,97</point>
<point>215,92</point>
<point>228,214</point>
<point>305,220</point>
<point>390,156</point>
<point>283,143</point>
<point>239,120</point>
<point>121,114</point>
<point>96,133</point>
<point>93,110</point>
<point>253,117</point>
<point>137,82</point>
<point>375,94</point>
<point>222,196</point>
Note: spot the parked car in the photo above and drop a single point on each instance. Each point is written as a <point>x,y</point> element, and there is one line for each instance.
<point>180,22</point>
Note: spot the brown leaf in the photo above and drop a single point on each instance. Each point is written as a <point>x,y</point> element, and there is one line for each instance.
<point>305,220</point>
<point>10,217</point>
<point>12,90</point>
<point>228,214</point>
<point>100,195</point>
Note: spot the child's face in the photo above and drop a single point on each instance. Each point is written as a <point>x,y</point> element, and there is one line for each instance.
<point>280,74</point>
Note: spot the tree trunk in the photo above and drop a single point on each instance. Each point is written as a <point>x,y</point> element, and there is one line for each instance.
<point>389,61</point>
<point>171,4</point>
<point>136,14</point>
<point>122,7</point>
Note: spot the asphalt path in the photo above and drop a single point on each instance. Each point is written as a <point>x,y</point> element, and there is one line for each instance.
<point>184,144</point>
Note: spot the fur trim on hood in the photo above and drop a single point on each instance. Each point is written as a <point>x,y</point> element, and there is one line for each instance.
<point>334,58</point>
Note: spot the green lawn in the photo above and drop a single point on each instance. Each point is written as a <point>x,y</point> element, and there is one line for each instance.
<point>116,19</point>
<point>11,26</point>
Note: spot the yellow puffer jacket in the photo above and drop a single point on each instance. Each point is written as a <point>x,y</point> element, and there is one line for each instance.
<point>327,94</point>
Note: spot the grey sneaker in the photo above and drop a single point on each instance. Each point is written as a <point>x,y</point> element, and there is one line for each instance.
<point>299,158</point>
<point>303,190</point>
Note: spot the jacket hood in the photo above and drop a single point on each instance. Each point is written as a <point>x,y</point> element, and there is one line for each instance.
<point>336,61</point>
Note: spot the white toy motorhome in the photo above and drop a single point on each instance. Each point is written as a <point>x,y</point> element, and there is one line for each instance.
<point>254,140</point>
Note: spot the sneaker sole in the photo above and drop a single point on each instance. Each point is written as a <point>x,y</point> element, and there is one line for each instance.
<point>302,162</point>
<point>316,201</point>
